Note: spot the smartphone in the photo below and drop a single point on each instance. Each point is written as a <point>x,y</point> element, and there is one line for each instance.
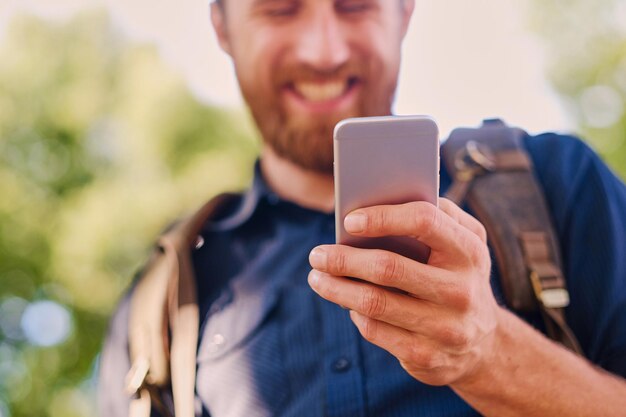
<point>385,160</point>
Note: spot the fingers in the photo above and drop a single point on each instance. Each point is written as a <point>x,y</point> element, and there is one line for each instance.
<point>404,345</point>
<point>463,218</point>
<point>384,268</point>
<point>454,238</point>
<point>378,303</point>
<point>380,333</point>
<point>420,219</point>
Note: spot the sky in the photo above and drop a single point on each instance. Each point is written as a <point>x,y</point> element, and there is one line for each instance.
<point>462,60</point>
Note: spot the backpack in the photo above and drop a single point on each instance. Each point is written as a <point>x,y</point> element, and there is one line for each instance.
<point>491,172</point>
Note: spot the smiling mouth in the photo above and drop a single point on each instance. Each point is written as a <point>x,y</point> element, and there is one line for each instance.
<point>325,91</point>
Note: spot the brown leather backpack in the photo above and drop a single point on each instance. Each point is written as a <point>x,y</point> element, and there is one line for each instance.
<point>492,173</point>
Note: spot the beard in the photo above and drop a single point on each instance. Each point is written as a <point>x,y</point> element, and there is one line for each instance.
<point>308,141</point>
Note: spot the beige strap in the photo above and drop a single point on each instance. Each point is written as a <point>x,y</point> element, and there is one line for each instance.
<point>140,406</point>
<point>148,336</point>
<point>164,302</point>
<point>184,324</point>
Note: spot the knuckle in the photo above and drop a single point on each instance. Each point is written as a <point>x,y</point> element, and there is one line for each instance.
<point>386,267</point>
<point>373,302</point>
<point>454,336</point>
<point>472,252</point>
<point>337,262</point>
<point>477,252</point>
<point>423,358</point>
<point>380,220</point>
<point>430,218</point>
<point>482,232</point>
<point>461,298</point>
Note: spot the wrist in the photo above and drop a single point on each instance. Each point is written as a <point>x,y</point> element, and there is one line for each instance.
<point>527,374</point>
<point>495,353</point>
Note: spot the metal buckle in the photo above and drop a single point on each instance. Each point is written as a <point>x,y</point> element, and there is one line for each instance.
<point>475,155</point>
<point>550,298</point>
<point>472,159</point>
<point>137,374</point>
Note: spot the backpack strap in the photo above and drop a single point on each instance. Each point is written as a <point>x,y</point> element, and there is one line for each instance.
<point>493,173</point>
<point>164,321</point>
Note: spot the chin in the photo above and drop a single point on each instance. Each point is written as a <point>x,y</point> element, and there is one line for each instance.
<point>311,150</point>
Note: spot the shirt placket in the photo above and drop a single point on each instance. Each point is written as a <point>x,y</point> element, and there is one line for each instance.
<point>343,371</point>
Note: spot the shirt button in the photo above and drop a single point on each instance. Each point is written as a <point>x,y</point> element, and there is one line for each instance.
<point>217,342</point>
<point>341,365</point>
<point>218,339</point>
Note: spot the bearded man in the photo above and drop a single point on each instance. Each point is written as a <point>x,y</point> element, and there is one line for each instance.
<point>275,339</point>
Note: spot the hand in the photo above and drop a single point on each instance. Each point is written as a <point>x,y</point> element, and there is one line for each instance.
<point>442,326</point>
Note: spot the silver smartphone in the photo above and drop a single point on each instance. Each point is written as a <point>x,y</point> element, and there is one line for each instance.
<point>385,160</point>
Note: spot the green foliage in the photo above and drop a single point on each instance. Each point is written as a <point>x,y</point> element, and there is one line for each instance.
<point>100,146</point>
<point>586,45</point>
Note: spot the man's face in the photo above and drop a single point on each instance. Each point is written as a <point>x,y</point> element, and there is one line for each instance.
<point>304,65</point>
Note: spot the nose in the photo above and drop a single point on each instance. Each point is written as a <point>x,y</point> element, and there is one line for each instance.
<point>322,44</point>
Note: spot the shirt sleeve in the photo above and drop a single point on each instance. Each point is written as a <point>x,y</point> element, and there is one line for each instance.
<point>113,401</point>
<point>588,205</point>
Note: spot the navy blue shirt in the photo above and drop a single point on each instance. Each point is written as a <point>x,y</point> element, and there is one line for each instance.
<point>270,346</point>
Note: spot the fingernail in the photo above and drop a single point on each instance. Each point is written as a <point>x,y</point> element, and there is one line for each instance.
<point>314,278</point>
<point>355,222</point>
<point>317,258</point>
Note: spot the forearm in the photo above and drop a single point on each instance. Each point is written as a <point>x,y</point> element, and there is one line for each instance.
<point>532,376</point>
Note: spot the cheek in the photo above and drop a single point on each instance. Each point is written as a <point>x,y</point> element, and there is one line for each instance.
<point>383,61</point>
<point>380,44</point>
<point>255,56</point>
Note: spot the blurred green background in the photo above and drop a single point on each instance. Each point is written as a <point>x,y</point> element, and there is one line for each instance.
<point>101,144</point>
<point>586,49</point>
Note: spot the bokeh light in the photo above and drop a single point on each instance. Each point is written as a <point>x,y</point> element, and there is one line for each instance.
<point>602,106</point>
<point>14,376</point>
<point>46,323</point>
<point>11,310</point>
<point>4,410</point>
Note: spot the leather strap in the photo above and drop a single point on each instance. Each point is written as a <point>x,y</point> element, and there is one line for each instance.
<point>493,173</point>
<point>164,302</point>
<point>549,288</point>
<point>475,159</point>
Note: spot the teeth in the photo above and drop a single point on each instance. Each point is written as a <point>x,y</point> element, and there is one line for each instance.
<point>321,92</point>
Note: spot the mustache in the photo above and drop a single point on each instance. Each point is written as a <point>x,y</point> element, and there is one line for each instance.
<point>303,72</point>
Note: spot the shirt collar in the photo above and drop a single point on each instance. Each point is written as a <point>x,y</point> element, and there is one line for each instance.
<point>248,203</point>
<point>257,196</point>
<point>260,190</point>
